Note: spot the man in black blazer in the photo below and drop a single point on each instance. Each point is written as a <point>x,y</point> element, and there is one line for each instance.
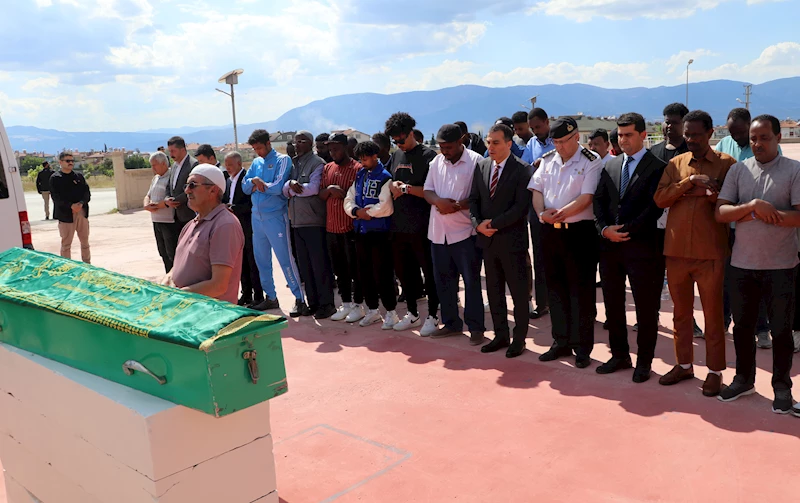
<point>176,197</point>
<point>241,206</point>
<point>499,205</point>
<point>625,217</point>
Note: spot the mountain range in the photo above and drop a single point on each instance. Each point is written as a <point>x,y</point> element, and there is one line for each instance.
<point>477,106</point>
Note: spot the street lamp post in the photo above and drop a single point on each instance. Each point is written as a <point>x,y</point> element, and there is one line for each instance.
<point>232,78</point>
<point>687,81</point>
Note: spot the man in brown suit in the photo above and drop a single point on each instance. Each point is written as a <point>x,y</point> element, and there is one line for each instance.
<point>696,247</point>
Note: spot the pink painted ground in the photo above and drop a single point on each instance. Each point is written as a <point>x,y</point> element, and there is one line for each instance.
<point>383,417</point>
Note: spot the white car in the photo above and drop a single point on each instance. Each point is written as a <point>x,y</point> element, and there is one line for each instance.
<point>15,229</point>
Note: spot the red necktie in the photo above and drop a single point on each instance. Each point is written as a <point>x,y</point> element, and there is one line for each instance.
<point>495,178</point>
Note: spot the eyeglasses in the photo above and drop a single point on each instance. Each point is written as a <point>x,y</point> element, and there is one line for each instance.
<point>69,161</point>
<point>194,185</point>
<point>401,142</point>
<point>564,141</point>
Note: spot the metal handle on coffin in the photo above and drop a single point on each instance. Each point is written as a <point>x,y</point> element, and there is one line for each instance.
<point>131,366</point>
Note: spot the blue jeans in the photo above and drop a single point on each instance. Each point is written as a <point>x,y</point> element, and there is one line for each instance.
<point>450,260</point>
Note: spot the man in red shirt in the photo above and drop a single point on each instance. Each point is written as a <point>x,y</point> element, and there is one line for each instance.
<point>337,177</point>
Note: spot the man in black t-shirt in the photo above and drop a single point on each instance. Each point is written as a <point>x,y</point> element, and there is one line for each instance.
<point>71,197</point>
<point>412,249</point>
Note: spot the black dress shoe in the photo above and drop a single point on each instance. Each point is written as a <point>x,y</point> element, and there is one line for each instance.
<point>614,364</point>
<point>266,305</point>
<point>582,361</point>
<point>324,312</point>
<point>300,309</point>
<point>554,353</point>
<point>539,312</point>
<point>244,301</point>
<point>496,345</point>
<point>516,349</point>
<point>641,374</point>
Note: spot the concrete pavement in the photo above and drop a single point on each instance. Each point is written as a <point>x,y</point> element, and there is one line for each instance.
<point>103,201</point>
<point>373,416</point>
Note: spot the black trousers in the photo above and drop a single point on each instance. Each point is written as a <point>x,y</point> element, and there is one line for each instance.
<point>412,252</point>
<point>539,281</point>
<point>314,264</point>
<point>251,282</point>
<point>503,268</point>
<point>171,234</point>
<point>778,288</point>
<point>796,324</point>
<point>570,261</point>
<point>374,251</point>
<point>646,275</point>
<point>167,242</point>
<point>342,254</point>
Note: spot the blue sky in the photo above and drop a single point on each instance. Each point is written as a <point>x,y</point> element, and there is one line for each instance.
<point>126,65</point>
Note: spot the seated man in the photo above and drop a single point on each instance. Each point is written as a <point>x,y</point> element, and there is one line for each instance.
<point>208,259</point>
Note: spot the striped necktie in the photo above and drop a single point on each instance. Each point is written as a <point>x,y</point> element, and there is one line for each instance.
<point>495,178</point>
<point>626,177</point>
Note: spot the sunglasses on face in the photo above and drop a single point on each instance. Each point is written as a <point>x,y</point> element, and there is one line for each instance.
<point>194,185</point>
<point>69,161</point>
<point>400,141</point>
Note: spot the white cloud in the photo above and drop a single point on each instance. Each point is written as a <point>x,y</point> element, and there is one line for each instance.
<point>678,61</point>
<point>41,82</point>
<point>774,62</point>
<point>455,72</point>
<point>585,10</point>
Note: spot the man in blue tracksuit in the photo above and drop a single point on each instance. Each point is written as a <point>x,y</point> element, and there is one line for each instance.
<point>265,180</point>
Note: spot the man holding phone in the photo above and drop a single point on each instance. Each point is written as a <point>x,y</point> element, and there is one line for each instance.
<point>163,216</point>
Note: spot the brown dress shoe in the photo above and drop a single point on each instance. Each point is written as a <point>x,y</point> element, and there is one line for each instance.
<point>676,375</point>
<point>713,384</point>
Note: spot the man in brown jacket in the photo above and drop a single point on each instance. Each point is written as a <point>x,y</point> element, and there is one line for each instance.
<point>696,247</point>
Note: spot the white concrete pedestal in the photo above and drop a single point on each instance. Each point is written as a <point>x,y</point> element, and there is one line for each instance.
<point>70,437</point>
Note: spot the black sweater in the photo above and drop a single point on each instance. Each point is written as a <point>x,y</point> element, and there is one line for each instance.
<point>68,189</point>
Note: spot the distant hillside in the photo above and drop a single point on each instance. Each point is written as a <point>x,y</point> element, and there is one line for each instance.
<point>477,106</point>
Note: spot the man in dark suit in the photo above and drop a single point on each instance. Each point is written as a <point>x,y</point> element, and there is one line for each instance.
<point>176,197</point>
<point>499,205</point>
<point>241,206</point>
<point>625,216</point>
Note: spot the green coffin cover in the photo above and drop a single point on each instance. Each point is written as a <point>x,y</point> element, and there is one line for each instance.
<point>196,351</point>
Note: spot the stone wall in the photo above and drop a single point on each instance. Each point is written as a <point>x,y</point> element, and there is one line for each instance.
<point>132,184</point>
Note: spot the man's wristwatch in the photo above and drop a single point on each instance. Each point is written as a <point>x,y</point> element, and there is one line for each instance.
<point>355,211</point>
<point>404,188</point>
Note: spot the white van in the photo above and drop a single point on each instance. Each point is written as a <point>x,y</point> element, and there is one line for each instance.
<point>15,229</point>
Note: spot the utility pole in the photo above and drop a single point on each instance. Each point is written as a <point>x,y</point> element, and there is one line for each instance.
<point>748,91</point>
<point>232,78</point>
<point>687,82</point>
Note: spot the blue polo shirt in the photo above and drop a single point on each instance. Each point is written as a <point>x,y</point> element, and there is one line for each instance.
<point>536,149</point>
<point>729,146</point>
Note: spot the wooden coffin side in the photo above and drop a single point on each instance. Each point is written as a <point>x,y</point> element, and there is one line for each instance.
<point>232,385</point>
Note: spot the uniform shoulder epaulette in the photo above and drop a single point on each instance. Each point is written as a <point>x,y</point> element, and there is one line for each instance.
<point>549,153</point>
<point>588,154</point>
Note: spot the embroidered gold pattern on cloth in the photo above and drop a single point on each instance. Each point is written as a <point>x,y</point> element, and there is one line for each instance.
<point>129,305</point>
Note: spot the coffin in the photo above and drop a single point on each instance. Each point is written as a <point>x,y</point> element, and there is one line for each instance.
<point>190,349</point>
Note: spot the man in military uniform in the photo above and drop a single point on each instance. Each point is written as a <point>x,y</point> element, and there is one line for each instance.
<point>563,189</point>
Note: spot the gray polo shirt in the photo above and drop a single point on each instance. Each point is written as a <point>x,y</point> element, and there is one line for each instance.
<point>761,246</point>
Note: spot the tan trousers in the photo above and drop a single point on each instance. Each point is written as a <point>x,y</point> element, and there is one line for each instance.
<point>46,197</point>
<point>80,224</point>
<point>709,275</point>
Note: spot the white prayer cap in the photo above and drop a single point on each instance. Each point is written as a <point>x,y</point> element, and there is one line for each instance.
<point>213,173</point>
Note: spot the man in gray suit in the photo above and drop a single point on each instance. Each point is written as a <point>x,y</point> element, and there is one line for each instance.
<point>179,174</point>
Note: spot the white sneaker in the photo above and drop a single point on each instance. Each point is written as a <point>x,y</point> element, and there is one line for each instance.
<point>431,325</point>
<point>373,316</point>
<point>355,314</point>
<point>486,308</point>
<point>390,320</point>
<point>408,321</point>
<point>763,340</point>
<point>343,311</point>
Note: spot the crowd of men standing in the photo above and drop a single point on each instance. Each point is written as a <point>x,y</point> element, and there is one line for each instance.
<point>360,218</point>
